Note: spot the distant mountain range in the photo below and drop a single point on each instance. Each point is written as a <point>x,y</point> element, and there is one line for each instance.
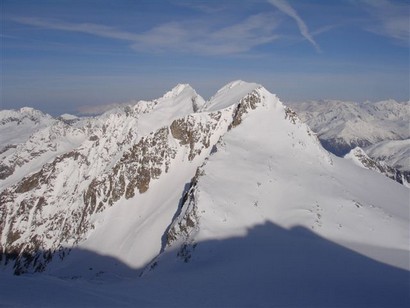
<point>232,201</point>
<point>382,128</point>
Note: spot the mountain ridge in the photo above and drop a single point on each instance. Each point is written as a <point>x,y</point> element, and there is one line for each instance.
<point>158,186</point>
<point>87,160</point>
<point>235,196</point>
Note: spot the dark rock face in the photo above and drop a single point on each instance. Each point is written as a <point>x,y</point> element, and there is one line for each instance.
<point>5,171</point>
<point>291,115</point>
<point>28,183</point>
<point>249,102</point>
<point>194,134</point>
<point>187,222</point>
<point>406,176</point>
<point>189,218</point>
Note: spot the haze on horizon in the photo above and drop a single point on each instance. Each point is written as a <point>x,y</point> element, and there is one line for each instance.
<point>61,56</point>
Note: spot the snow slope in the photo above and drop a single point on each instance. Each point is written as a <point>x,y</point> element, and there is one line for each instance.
<point>227,203</point>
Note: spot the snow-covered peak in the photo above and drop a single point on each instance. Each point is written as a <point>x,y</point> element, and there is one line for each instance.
<point>230,94</point>
<point>236,84</point>
<point>178,89</point>
<point>181,100</point>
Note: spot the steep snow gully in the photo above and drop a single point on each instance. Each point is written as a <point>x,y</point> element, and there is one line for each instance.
<point>230,202</point>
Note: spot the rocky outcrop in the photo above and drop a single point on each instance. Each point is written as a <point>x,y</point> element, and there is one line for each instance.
<point>249,102</point>
<point>143,162</point>
<point>197,135</point>
<point>188,220</point>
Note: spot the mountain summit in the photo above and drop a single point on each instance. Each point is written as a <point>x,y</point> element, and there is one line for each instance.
<point>179,188</point>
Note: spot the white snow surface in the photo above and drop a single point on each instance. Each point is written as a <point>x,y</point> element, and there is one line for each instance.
<point>230,94</point>
<point>272,219</point>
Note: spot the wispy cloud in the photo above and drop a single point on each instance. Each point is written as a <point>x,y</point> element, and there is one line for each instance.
<point>187,37</point>
<point>285,7</point>
<point>89,28</point>
<point>201,38</point>
<point>391,18</point>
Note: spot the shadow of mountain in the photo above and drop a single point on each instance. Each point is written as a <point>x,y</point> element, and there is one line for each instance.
<point>273,266</point>
<point>267,267</point>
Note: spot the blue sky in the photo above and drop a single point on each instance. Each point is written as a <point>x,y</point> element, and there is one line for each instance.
<point>65,55</point>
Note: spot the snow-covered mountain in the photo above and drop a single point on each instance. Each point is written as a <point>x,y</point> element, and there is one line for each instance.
<point>185,202</point>
<point>381,129</point>
<point>341,126</point>
<point>51,204</point>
